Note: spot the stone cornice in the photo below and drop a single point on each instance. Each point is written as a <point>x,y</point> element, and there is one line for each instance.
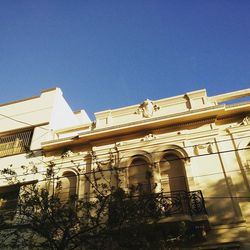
<point>173,120</point>
<point>150,123</point>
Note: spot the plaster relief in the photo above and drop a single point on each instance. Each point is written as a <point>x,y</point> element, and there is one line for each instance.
<point>246,121</point>
<point>149,137</point>
<point>203,149</point>
<point>147,108</point>
<point>69,153</point>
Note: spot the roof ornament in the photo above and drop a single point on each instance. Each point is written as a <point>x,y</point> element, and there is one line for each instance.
<point>147,108</point>
<point>246,121</point>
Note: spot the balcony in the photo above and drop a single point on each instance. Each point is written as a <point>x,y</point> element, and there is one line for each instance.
<point>182,202</point>
<point>15,143</point>
<point>176,206</point>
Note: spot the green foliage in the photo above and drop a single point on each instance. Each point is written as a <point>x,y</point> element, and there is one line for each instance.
<point>108,219</point>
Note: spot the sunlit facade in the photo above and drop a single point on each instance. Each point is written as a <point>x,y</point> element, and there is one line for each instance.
<point>194,148</point>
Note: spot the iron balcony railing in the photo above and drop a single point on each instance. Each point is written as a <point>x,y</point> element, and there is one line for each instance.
<point>183,203</point>
<point>15,143</point>
<point>174,203</point>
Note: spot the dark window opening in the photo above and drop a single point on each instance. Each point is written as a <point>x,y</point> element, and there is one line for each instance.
<point>68,186</point>
<point>8,201</point>
<point>140,175</point>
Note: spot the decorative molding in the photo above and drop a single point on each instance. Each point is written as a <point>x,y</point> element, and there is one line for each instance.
<point>149,137</point>
<point>204,148</point>
<point>110,160</point>
<point>245,121</point>
<point>118,144</point>
<point>69,153</point>
<point>147,108</point>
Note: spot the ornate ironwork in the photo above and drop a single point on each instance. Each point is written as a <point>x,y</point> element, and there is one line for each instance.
<point>174,203</point>
<point>169,204</point>
<point>181,202</point>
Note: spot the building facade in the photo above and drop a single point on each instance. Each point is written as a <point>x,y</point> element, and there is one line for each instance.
<point>194,148</point>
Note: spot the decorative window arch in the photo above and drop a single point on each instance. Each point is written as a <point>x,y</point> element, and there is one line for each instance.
<point>140,174</point>
<point>68,185</point>
<point>173,175</point>
<point>175,149</point>
<point>172,162</point>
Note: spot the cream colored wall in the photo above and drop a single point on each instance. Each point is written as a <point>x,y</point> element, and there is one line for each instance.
<point>82,116</point>
<point>211,151</point>
<point>49,111</point>
<point>213,167</point>
<point>46,113</point>
<point>61,115</point>
<point>40,134</point>
<point>15,162</point>
<point>166,106</point>
<point>31,111</point>
<point>216,174</point>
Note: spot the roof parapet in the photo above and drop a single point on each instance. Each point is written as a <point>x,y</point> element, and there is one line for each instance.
<point>230,96</point>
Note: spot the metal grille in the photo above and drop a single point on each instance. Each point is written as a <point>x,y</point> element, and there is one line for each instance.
<point>15,143</point>
<point>178,202</point>
<point>182,202</point>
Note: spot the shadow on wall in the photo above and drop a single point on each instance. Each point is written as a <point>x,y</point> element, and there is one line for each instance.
<point>221,203</point>
<point>225,216</point>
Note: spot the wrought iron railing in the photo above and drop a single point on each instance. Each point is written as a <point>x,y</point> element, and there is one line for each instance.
<point>182,202</point>
<point>176,203</point>
<point>15,143</point>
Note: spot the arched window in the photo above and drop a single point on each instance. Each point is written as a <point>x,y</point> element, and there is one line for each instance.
<point>173,176</point>
<point>140,175</point>
<point>68,185</point>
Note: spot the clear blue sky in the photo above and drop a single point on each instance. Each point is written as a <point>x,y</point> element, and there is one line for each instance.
<point>112,53</point>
